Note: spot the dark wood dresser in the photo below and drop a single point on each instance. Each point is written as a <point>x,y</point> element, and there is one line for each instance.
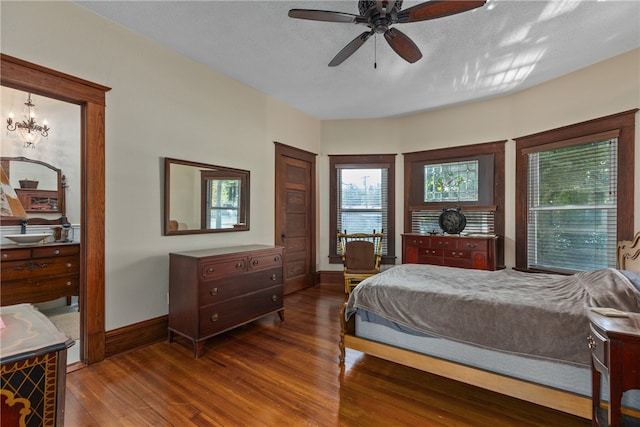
<point>477,252</point>
<point>214,290</point>
<point>615,353</point>
<point>39,273</point>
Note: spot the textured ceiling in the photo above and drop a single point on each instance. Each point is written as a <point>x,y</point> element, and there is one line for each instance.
<point>503,47</point>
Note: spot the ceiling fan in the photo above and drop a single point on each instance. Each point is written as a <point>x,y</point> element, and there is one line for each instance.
<point>380,15</point>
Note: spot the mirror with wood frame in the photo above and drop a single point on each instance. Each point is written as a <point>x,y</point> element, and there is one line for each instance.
<point>203,198</point>
<point>31,189</point>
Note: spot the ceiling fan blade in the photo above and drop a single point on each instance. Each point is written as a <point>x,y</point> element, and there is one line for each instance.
<point>437,9</point>
<point>349,49</point>
<point>323,15</point>
<point>402,45</point>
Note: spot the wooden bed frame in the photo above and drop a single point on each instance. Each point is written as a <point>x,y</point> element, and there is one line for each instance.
<point>628,258</point>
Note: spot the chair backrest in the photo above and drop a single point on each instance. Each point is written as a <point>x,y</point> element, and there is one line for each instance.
<point>361,251</point>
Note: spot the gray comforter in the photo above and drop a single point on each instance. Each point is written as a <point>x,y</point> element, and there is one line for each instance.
<point>541,315</point>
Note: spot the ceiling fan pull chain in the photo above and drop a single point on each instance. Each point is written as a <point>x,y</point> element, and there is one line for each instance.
<point>375,52</point>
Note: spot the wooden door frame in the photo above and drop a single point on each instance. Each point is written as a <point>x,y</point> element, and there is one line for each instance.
<point>29,77</point>
<point>282,150</point>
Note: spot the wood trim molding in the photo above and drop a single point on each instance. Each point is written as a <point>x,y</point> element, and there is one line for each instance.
<point>136,335</point>
<point>624,124</point>
<point>28,77</point>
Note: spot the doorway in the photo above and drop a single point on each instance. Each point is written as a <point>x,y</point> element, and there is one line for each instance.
<point>38,80</point>
<point>295,223</point>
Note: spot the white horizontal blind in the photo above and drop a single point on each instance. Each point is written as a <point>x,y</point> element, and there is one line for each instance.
<point>572,207</point>
<point>478,222</point>
<point>363,201</point>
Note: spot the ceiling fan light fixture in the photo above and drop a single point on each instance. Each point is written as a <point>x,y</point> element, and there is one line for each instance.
<point>380,15</point>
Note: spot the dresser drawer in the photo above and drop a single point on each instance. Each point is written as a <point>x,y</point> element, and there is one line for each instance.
<point>217,318</point>
<point>598,345</point>
<point>39,290</point>
<point>222,268</point>
<point>443,242</point>
<point>51,251</point>
<point>262,262</point>
<point>473,244</point>
<point>39,267</point>
<point>15,254</point>
<point>212,292</point>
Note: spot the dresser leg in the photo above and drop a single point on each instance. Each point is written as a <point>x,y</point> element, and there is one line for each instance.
<point>281,315</point>
<point>595,396</point>
<point>197,348</point>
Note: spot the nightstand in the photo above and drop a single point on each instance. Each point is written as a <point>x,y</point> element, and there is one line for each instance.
<point>615,353</point>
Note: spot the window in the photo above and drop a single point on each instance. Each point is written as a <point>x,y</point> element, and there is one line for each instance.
<point>223,197</point>
<point>451,182</point>
<point>362,199</point>
<point>572,202</point>
<point>470,177</point>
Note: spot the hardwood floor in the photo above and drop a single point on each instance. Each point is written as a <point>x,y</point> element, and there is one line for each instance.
<point>273,373</point>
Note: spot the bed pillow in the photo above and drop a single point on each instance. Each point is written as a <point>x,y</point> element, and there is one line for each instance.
<point>633,277</point>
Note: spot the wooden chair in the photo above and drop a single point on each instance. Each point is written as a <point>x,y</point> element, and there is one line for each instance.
<point>361,255</point>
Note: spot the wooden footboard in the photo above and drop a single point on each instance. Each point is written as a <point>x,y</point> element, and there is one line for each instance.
<point>552,398</point>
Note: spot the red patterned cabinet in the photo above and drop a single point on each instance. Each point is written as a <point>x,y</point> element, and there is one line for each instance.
<point>477,252</point>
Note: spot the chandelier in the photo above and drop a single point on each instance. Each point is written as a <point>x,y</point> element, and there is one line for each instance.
<point>28,129</point>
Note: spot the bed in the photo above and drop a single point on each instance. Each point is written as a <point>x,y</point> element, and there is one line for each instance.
<point>532,344</point>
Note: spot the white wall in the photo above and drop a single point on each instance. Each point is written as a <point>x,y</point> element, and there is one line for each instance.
<point>164,105</point>
<point>605,88</point>
<point>161,105</point>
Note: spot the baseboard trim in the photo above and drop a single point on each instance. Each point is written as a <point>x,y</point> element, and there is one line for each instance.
<point>153,330</point>
<point>333,277</point>
<point>136,335</point>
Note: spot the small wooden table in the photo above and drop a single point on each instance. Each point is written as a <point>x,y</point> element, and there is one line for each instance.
<point>615,352</point>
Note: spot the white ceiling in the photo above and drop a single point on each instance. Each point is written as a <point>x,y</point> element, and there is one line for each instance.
<point>504,47</point>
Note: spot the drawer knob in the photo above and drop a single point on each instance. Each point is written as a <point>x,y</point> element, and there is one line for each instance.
<point>5,256</point>
<point>214,291</point>
<point>210,270</point>
<point>274,298</point>
<point>255,262</point>
<point>57,252</point>
<point>273,277</point>
<point>591,342</point>
<point>68,265</point>
<point>239,265</point>
<point>276,258</point>
<point>214,317</point>
<point>68,283</point>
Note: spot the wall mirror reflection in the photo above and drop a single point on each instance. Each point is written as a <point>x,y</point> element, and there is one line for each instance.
<point>203,198</point>
<point>38,186</point>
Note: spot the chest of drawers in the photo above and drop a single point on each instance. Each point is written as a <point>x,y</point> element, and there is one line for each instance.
<point>214,290</point>
<point>452,251</point>
<point>39,273</point>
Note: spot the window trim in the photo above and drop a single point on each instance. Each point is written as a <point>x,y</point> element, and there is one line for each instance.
<point>362,161</point>
<point>624,124</point>
<point>495,199</point>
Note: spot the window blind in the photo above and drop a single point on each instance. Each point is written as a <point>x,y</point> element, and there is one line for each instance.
<point>363,201</point>
<point>572,206</point>
<point>478,222</point>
